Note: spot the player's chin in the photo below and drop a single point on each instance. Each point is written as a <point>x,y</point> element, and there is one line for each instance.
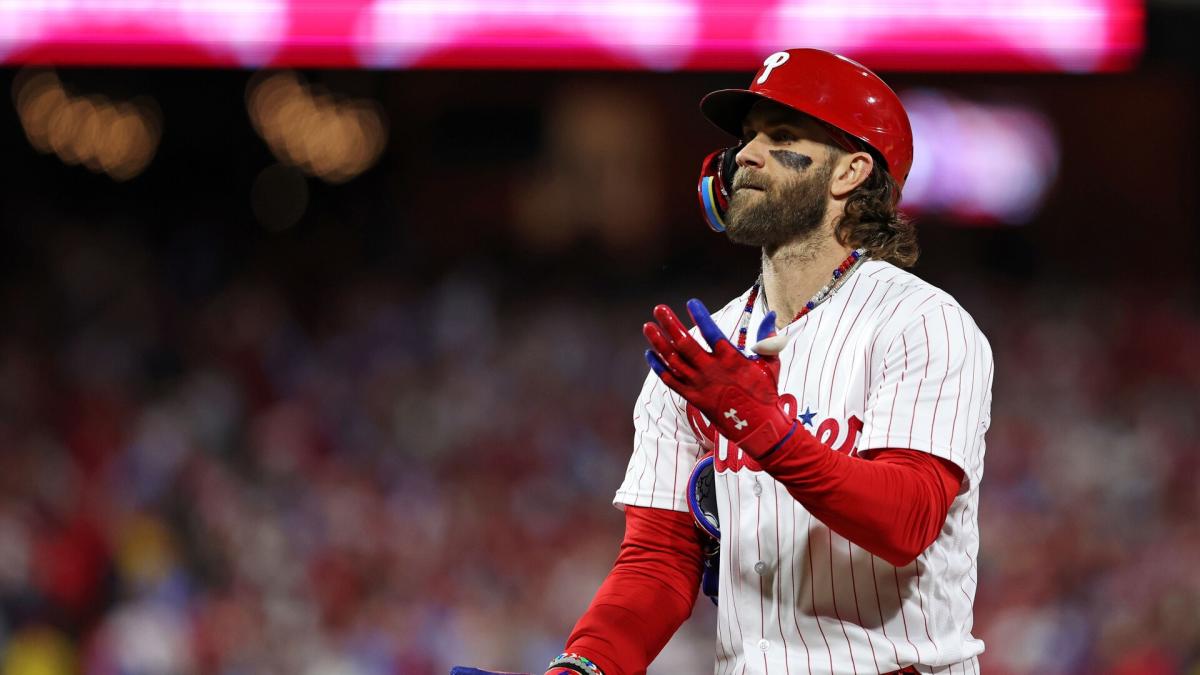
<point>753,225</point>
<point>739,231</point>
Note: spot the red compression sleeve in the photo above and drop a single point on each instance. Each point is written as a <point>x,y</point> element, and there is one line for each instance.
<point>648,594</point>
<point>892,504</point>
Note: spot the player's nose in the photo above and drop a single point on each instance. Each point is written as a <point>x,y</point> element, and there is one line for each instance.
<point>752,154</point>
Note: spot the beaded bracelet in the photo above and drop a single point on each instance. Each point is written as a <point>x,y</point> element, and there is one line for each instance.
<point>575,662</point>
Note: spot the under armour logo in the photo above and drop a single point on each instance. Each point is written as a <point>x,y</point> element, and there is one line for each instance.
<point>738,423</point>
<point>771,63</point>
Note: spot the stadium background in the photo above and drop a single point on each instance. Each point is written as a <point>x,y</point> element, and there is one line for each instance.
<point>258,422</point>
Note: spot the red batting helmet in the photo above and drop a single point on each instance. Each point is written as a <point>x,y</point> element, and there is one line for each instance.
<point>841,93</point>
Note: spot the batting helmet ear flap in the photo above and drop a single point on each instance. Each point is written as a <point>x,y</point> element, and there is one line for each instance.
<point>716,185</point>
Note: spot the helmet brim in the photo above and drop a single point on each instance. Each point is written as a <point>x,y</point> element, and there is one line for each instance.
<point>727,108</point>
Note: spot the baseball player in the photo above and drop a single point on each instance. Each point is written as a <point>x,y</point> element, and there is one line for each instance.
<point>826,426</point>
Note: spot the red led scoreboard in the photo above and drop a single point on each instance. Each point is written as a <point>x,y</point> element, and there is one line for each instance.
<point>935,35</point>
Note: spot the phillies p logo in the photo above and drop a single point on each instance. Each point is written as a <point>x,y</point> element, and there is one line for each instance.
<point>771,63</point>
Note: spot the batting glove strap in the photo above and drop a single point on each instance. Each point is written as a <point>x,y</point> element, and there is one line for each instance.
<point>770,451</point>
<point>573,663</point>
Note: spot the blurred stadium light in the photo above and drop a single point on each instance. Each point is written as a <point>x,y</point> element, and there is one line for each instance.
<point>331,138</point>
<point>115,138</point>
<point>279,196</point>
<point>978,163</point>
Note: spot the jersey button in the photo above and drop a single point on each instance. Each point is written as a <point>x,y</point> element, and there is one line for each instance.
<point>757,487</point>
<point>760,567</point>
<point>763,645</point>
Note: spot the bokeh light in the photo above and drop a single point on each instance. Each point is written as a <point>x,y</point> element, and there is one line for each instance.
<point>117,138</point>
<point>332,138</point>
<point>978,162</point>
<point>279,197</point>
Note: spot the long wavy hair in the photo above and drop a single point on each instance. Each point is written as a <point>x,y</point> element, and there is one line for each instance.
<point>872,220</point>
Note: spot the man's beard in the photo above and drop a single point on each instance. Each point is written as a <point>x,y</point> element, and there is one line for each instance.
<point>784,212</point>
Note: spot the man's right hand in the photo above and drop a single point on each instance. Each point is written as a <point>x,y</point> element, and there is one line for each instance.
<point>737,393</point>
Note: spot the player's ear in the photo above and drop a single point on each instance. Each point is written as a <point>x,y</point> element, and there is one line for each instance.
<point>849,171</point>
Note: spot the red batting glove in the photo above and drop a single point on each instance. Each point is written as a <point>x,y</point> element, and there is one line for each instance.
<point>738,394</point>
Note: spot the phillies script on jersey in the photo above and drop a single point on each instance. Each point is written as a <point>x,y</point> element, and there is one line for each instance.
<point>889,361</point>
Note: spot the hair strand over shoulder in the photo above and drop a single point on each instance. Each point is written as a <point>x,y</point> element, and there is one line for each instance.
<point>872,220</point>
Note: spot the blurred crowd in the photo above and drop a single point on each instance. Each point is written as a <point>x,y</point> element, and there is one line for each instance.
<point>394,474</point>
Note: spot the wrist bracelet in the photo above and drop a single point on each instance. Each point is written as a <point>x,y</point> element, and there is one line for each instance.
<point>575,662</point>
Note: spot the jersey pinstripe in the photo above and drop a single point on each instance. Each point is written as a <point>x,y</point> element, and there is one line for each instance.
<point>889,361</point>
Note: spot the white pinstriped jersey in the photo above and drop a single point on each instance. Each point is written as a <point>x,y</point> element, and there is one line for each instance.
<point>888,362</point>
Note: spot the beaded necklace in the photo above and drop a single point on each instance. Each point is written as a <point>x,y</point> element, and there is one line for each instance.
<point>840,274</point>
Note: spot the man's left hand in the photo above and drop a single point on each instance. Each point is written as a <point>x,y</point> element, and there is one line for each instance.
<point>738,393</point>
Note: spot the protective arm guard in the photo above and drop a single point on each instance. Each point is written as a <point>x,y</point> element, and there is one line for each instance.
<point>702,502</point>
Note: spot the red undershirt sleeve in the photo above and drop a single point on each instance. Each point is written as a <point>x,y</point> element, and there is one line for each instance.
<point>891,502</point>
<point>649,593</point>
